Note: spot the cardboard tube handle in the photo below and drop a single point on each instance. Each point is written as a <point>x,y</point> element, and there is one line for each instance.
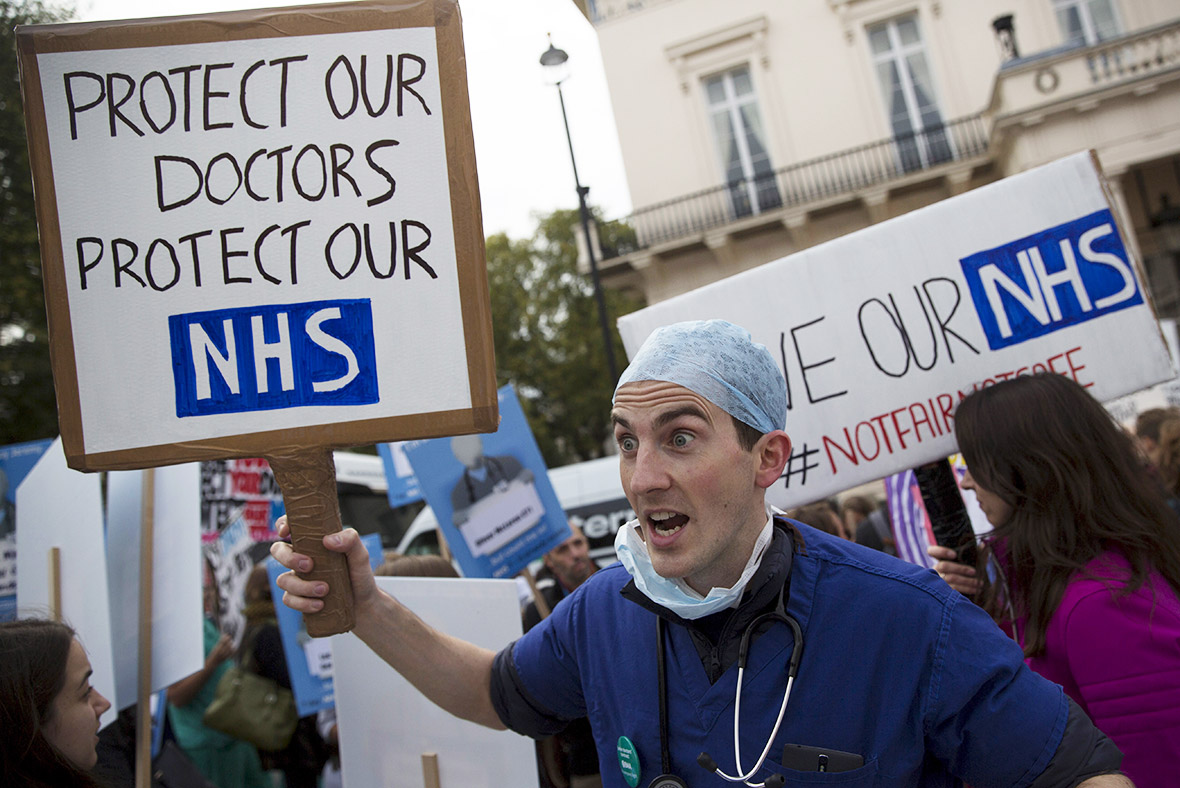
<point>307,478</point>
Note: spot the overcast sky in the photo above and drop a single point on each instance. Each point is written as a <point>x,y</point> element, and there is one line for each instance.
<point>520,145</point>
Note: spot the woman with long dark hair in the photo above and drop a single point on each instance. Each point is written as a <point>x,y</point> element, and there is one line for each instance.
<point>48,711</point>
<point>1085,557</point>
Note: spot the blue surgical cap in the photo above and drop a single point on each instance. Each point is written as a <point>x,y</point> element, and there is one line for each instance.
<point>719,361</point>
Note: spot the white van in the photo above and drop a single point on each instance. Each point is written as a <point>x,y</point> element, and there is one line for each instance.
<point>590,492</point>
<point>362,489</point>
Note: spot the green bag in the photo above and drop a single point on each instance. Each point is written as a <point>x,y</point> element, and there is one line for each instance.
<point>254,709</point>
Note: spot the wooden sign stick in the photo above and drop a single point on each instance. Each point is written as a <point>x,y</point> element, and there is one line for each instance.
<point>307,478</point>
<point>542,605</point>
<point>143,717</point>
<point>55,583</point>
<point>444,549</point>
<point>430,775</point>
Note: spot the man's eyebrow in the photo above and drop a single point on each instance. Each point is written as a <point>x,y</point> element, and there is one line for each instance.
<point>691,411</point>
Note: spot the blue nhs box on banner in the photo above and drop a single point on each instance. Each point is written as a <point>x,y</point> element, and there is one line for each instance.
<point>274,356</point>
<point>1043,282</point>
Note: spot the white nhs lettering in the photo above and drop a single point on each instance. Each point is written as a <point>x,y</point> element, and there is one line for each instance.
<point>1038,293</point>
<point>206,355</point>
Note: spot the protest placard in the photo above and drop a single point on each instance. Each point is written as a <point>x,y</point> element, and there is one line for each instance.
<point>261,237</point>
<point>259,229</point>
<point>880,333</point>
<point>16,460</point>
<point>243,486</point>
<point>61,509</point>
<point>401,483</point>
<point>230,560</point>
<point>386,725</point>
<point>177,647</point>
<point>491,495</point>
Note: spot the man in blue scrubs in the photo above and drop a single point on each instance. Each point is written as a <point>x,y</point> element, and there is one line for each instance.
<point>683,648</point>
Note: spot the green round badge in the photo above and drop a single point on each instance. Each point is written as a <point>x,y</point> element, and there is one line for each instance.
<point>628,761</point>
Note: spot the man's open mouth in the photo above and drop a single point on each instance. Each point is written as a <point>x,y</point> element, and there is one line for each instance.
<point>667,523</point>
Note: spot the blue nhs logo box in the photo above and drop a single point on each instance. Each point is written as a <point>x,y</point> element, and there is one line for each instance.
<point>1052,279</point>
<point>274,356</point>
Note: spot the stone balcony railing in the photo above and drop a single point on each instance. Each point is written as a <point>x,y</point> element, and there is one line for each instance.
<point>1080,76</point>
<point>831,177</point>
<point>599,11</point>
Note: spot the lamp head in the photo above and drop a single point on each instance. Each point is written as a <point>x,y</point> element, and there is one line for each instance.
<point>554,61</point>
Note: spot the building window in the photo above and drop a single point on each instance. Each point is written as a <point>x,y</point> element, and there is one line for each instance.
<point>1086,22</point>
<point>741,142</point>
<point>900,59</point>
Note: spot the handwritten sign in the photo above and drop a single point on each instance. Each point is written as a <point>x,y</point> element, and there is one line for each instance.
<point>259,228</point>
<point>881,333</point>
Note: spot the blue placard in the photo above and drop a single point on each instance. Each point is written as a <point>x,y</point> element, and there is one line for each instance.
<point>273,357</point>
<point>491,494</point>
<point>402,484</point>
<point>311,684</point>
<point>16,460</point>
<point>1043,282</point>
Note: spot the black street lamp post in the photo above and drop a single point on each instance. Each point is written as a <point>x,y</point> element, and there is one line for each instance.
<point>554,61</point>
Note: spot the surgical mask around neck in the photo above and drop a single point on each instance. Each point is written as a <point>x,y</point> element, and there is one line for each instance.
<point>674,593</point>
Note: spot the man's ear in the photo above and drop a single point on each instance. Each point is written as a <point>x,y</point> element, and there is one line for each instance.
<point>773,450</point>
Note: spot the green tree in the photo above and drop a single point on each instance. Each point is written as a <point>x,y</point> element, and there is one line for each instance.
<point>548,338</point>
<point>27,405</point>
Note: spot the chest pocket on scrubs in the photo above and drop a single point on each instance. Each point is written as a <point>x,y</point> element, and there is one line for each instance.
<point>863,777</point>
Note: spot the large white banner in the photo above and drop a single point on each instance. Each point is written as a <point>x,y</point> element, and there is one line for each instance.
<point>881,333</point>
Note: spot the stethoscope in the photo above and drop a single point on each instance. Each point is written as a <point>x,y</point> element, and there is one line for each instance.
<point>669,780</point>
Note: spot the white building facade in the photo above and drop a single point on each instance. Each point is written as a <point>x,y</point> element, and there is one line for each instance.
<point>751,129</point>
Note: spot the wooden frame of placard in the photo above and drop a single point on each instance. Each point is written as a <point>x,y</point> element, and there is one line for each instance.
<point>443,16</point>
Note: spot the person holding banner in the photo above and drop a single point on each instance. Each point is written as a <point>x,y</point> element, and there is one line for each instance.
<point>48,711</point>
<point>706,616</point>
<point>1087,558</point>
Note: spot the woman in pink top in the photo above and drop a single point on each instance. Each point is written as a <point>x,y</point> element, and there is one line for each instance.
<point>1086,555</point>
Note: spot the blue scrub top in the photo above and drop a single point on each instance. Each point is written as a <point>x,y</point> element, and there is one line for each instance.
<point>896,667</point>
